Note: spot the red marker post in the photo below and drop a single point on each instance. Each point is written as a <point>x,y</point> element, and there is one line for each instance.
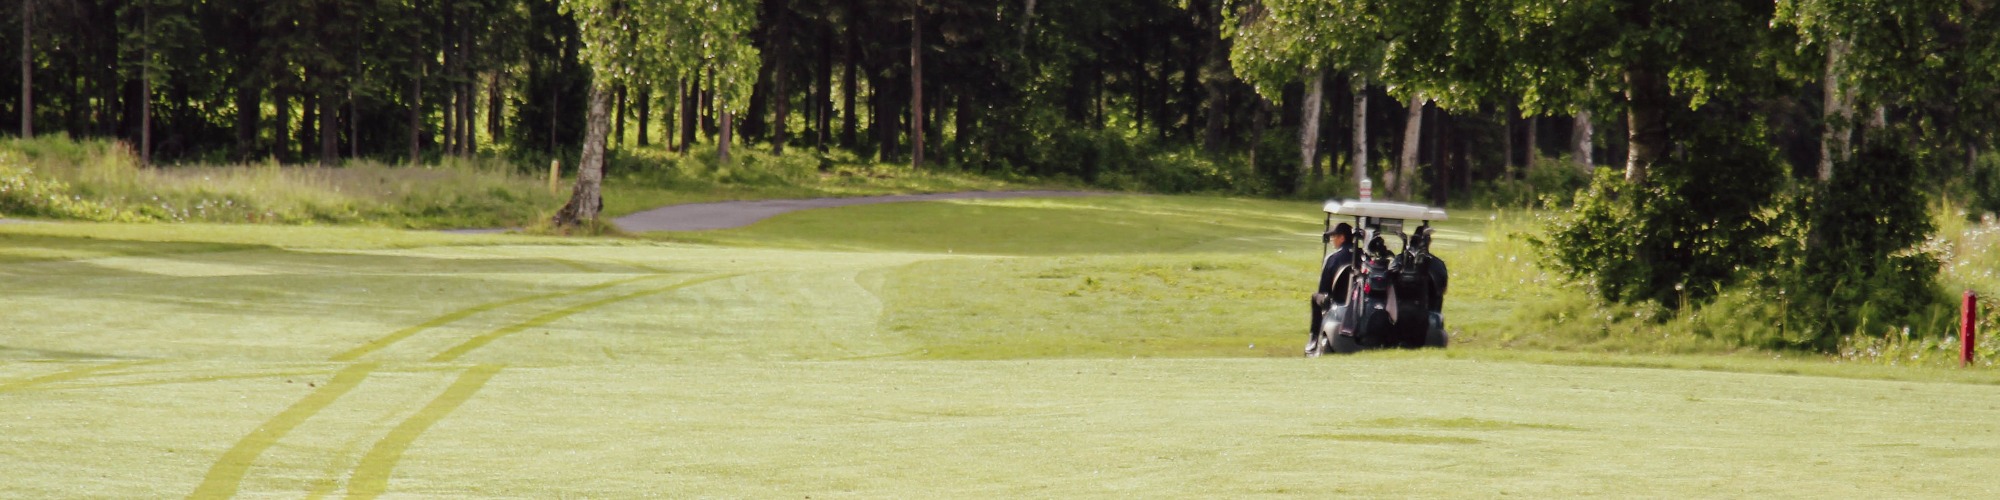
<point>1967,329</point>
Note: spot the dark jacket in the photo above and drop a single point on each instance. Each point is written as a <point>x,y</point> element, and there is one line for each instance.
<point>1341,258</point>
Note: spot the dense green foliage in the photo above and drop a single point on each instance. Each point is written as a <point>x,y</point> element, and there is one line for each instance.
<point>1684,236</point>
<point>1862,261</point>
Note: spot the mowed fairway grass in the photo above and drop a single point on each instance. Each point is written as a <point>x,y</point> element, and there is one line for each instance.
<point>1114,346</point>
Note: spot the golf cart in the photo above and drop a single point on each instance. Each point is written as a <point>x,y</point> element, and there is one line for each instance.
<point>1381,298</point>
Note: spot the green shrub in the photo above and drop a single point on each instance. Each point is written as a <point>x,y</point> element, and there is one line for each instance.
<point>1857,259</point>
<point>1694,227</point>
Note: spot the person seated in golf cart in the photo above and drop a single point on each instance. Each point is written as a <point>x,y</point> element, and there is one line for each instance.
<point>1433,265</point>
<point>1332,280</point>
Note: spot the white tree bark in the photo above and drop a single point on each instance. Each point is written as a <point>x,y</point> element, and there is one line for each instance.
<point>1837,111</point>
<point>1580,134</point>
<point>1309,127</point>
<point>588,197</point>
<point>1360,162</point>
<point>1412,137</point>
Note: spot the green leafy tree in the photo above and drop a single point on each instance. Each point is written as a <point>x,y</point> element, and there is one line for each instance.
<point>1281,42</point>
<point>633,41</point>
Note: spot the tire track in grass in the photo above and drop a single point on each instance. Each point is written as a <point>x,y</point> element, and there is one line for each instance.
<point>226,476</point>
<point>399,335</point>
<point>371,476</point>
<point>72,374</point>
<point>194,380</point>
<point>550,317</point>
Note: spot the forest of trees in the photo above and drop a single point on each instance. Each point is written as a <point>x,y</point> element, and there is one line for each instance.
<point>401,80</point>
<point>1456,91</point>
<point>1442,94</point>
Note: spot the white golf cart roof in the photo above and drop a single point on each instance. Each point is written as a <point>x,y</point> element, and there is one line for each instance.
<point>1383,210</point>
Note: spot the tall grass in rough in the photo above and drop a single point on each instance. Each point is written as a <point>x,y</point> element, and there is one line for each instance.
<point>1968,252</point>
<point>455,193</point>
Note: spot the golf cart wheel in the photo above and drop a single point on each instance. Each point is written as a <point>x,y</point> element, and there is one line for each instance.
<point>1342,344</point>
<point>1436,338</point>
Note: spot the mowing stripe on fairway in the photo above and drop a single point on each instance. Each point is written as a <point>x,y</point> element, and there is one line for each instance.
<point>226,476</point>
<point>399,335</point>
<point>371,476</point>
<point>72,374</point>
<point>552,316</point>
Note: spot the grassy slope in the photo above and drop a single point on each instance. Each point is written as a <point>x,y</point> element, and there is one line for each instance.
<point>826,353</point>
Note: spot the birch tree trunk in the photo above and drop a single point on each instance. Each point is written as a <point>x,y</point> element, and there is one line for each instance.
<point>1309,129</point>
<point>1837,112</point>
<point>1648,99</point>
<point>1412,141</point>
<point>1360,138</point>
<point>588,197</point>
<point>1580,138</point>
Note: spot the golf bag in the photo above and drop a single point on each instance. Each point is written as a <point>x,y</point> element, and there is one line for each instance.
<point>1391,304</point>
